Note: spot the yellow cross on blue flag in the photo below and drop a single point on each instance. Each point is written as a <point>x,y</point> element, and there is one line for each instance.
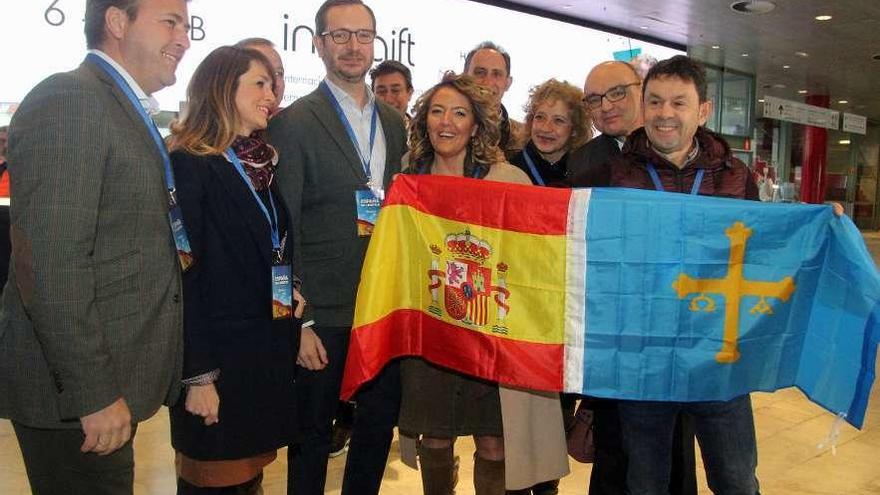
<point>695,298</point>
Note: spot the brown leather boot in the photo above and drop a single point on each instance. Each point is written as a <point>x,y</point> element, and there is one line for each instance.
<point>438,470</point>
<point>488,476</point>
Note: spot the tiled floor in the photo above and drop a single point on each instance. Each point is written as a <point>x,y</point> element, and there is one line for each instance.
<point>789,429</point>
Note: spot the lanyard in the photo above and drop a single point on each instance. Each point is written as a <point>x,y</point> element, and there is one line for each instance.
<point>151,126</point>
<point>351,135</point>
<point>533,168</point>
<point>276,238</point>
<point>695,189</point>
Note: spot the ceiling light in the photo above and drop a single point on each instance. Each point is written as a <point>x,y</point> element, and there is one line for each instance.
<point>643,27</point>
<point>823,18</point>
<point>779,86</point>
<point>753,6</point>
<point>716,47</point>
<point>802,54</point>
<point>761,100</point>
<point>844,141</point>
<point>745,54</point>
<point>786,67</point>
<point>802,91</point>
<point>843,102</point>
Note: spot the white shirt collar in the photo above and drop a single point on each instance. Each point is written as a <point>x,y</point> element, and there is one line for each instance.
<point>150,104</point>
<point>343,97</point>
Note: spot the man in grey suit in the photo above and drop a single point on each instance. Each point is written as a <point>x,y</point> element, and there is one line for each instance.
<point>91,320</point>
<point>339,147</point>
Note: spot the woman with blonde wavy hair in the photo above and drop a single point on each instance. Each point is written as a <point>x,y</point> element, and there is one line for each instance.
<point>557,122</point>
<point>241,328</point>
<point>455,132</point>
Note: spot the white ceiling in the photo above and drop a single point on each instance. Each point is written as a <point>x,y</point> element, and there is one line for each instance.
<point>839,52</point>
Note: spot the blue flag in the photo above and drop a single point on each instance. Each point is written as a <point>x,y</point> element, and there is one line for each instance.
<point>697,298</point>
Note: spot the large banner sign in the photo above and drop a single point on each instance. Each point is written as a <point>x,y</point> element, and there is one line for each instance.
<point>429,36</point>
<point>619,293</point>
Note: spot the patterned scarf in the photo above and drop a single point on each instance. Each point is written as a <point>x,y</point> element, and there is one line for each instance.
<point>258,157</point>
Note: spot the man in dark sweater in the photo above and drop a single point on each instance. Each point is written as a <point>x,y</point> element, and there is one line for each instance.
<point>675,153</point>
<point>489,64</point>
<point>612,93</point>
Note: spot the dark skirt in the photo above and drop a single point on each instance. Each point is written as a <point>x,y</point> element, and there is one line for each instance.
<point>441,403</point>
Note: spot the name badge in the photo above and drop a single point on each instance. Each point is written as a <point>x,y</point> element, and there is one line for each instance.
<point>282,292</point>
<point>181,240</point>
<point>367,211</point>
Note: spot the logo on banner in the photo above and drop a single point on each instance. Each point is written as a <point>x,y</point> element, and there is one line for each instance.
<point>468,291</point>
<point>733,287</point>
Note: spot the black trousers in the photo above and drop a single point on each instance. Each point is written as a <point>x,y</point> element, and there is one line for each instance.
<point>55,465</point>
<point>317,395</point>
<point>609,469</point>
<point>378,406</point>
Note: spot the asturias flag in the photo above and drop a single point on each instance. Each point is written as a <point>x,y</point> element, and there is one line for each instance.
<point>619,293</point>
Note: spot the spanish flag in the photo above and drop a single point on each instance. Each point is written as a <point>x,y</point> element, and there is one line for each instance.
<point>618,293</point>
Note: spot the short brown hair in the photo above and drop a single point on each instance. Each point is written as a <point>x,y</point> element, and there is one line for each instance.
<point>208,123</point>
<point>321,15</point>
<point>96,11</point>
<point>391,67</point>
<point>553,91</point>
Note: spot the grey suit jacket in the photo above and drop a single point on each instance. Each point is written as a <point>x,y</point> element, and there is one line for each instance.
<point>92,310</point>
<point>318,173</point>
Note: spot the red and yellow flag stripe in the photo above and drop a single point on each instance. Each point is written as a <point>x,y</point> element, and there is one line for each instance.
<point>410,299</point>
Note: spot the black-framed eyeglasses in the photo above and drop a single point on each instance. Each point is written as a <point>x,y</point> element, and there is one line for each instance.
<point>341,36</point>
<point>614,94</point>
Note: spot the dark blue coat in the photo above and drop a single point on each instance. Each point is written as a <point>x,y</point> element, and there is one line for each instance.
<point>228,323</point>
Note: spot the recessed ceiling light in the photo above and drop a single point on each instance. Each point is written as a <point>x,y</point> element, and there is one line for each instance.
<point>745,54</point>
<point>802,91</point>
<point>843,102</point>
<point>753,6</point>
<point>779,86</point>
<point>823,17</point>
<point>802,54</point>
<point>786,67</point>
<point>844,141</point>
<point>643,27</point>
<point>716,47</point>
<point>761,100</point>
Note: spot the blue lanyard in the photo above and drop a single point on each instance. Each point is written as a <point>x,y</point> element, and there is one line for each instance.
<point>351,135</point>
<point>533,168</point>
<point>695,189</point>
<point>276,238</point>
<point>151,126</point>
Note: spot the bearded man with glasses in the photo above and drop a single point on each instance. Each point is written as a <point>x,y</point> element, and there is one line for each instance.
<point>338,149</point>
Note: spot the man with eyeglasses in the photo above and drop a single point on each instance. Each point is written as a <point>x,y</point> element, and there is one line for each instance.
<point>339,147</point>
<point>612,95</point>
